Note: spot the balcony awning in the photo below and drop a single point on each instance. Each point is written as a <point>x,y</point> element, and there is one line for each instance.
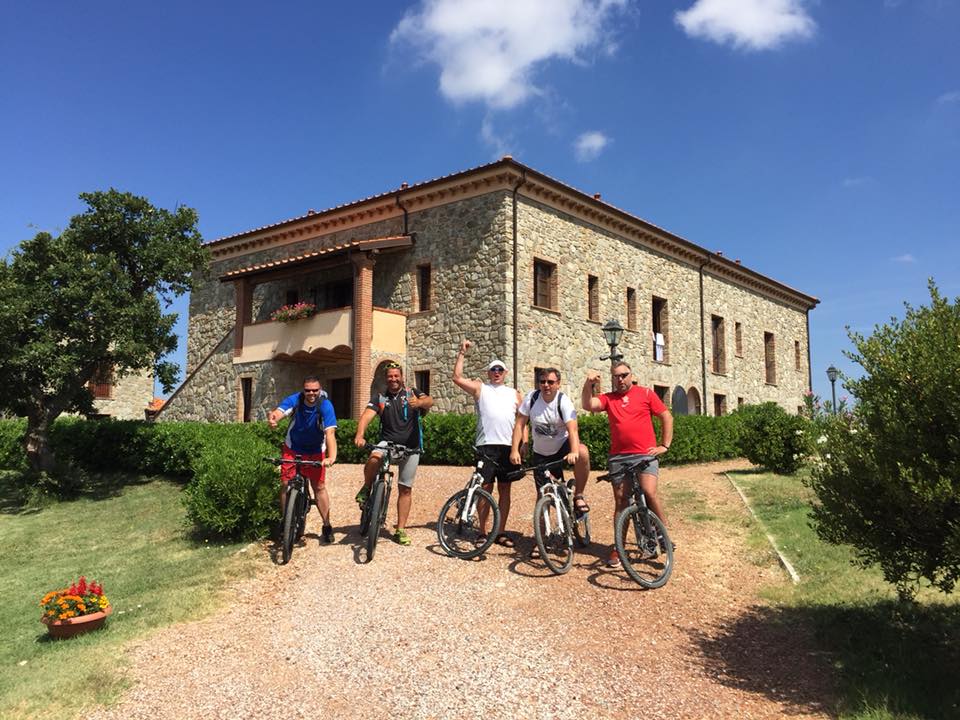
<point>382,243</point>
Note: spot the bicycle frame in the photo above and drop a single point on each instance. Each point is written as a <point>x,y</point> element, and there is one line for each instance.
<point>560,493</point>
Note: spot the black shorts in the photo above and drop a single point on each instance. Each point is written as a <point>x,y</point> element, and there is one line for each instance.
<point>557,470</point>
<point>499,465</point>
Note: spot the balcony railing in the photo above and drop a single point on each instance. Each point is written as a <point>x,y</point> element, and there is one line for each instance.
<point>329,332</point>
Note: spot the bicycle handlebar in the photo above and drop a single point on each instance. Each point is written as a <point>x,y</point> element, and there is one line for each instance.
<point>293,461</point>
<point>393,448</point>
<point>636,468</point>
<point>543,467</point>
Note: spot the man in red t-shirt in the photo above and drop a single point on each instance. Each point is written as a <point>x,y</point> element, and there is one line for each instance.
<point>630,409</point>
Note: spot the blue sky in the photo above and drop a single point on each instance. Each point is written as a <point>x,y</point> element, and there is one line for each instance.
<point>819,142</point>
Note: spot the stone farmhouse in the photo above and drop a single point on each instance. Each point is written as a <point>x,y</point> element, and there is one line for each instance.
<point>522,264</point>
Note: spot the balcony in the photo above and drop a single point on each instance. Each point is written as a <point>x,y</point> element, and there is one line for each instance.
<point>327,337</point>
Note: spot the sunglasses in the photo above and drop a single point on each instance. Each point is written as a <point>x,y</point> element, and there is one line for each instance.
<point>498,370</point>
<point>312,392</point>
<point>548,382</point>
<point>621,376</point>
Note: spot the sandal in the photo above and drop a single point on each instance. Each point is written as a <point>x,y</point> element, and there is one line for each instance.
<point>505,540</point>
<point>580,504</point>
<point>480,541</point>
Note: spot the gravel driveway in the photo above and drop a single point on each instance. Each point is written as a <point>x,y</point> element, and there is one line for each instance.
<point>416,634</point>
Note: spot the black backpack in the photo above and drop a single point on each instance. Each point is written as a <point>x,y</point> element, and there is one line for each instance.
<point>536,394</point>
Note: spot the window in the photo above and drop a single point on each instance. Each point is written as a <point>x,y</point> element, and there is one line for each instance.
<point>293,297</point>
<point>424,288</point>
<point>739,403</point>
<point>796,355</point>
<point>340,391</point>
<point>631,309</point>
<point>422,380</point>
<point>663,392</point>
<point>719,405</point>
<point>246,399</point>
<point>545,284</point>
<point>336,294</point>
<point>738,339</point>
<point>101,384</point>
<point>717,339</point>
<point>770,358</point>
<point>661,330</point>
<point>593,298</point>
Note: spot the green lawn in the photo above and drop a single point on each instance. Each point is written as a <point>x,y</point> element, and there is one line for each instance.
<point>128,533</point>
<point>891,660</point>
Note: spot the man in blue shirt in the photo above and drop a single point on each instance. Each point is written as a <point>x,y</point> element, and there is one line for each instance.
<point>312,435</point>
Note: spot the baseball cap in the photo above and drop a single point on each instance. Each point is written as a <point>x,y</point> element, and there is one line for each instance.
<point>496,363</point>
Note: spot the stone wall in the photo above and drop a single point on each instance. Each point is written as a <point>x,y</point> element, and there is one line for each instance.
<point>129,397</point>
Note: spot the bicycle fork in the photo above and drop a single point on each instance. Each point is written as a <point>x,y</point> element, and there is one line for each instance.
<point>546,520</point>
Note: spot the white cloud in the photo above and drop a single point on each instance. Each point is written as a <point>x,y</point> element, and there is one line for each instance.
<point>949,97</point>
<point>589,145</point>
<point>489,50</point>
<point>748,24</point>
<point>497,141</point>
<point>905,258</point>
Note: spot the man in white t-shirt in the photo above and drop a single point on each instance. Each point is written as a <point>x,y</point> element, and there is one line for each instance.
<point>553,423</point>
<point>496,407</point>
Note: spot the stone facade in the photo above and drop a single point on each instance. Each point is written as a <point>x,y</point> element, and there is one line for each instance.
<point>461,241</point>
<point>129,397</point>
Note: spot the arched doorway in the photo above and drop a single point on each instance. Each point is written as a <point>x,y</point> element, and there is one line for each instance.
<point>693,402</point>
<point>678,401</point>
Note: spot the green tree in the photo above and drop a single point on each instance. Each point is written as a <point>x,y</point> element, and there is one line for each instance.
<point>888,482</point>
<point>92,297</point>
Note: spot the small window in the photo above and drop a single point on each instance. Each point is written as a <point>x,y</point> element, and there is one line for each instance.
<point>293,297</point>
<point>101,384</point>
<point>719,404</point>
<point>663,392</point>
<point>631,309</point>
<point>738,339</point>
<point>545,284</point>
<point>796,355</point>
<point>717,337</point>
<point>770,358</point>
<point>739,402</point>
<point>424,288</point>
<point>422,380</point>
<point>593,298</point>
<point>246,399</point>
<point>661,330</point>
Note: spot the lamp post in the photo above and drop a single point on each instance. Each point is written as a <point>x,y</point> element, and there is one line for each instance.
<point>612,333</point>
<point>832,377</point>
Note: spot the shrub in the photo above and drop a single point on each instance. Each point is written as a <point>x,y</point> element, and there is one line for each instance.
<point>770,437</point>
<point>889,478</point>
<point>12,456</point>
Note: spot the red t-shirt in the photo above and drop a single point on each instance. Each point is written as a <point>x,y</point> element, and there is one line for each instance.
<point>631,425</point>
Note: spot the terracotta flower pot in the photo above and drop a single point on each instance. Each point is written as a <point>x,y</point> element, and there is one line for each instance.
<point>76,625</point>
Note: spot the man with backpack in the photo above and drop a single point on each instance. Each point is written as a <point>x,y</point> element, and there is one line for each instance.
<point>311,435</point>
<point>553,423</point>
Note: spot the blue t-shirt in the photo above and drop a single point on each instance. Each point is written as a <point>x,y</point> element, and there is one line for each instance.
<point>306,431</point>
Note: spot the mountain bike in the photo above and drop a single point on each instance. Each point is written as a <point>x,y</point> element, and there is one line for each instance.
<point>297,502</point>
<point>640,537</point>
<point>458,527</point>
<point>374,511</point>
<point>556,522</point>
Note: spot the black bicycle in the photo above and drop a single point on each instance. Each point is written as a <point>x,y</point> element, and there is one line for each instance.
<point>458,527</point>
<point>297,501</point>
<point>373,514</point>
<point>640,537</point>
<point>556,522</point>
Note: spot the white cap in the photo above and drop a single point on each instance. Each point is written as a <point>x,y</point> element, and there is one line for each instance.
<point>496,363</point>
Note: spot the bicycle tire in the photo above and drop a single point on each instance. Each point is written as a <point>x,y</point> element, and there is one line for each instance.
<point>289,532</point>
<point>376,513</point>
<point>365,516</point>
<point>556,546</point>
<point>459,537</point>
<point>303,507</point>
<point>647,560</point>
<point>581,529</point>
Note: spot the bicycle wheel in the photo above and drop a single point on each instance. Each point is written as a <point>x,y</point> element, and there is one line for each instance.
<point>365,516</point>
<point>375,503</point>
<point>581,529</point>
<point>647,556</point>
<point>554,534</point>
<point>303,508</point>
<point>289,532</point>
<point>458,528</point>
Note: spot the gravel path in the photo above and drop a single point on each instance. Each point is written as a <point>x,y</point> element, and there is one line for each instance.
<point>416,634</point>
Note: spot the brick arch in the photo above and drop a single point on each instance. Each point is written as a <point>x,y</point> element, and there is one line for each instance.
<point>694,406</point>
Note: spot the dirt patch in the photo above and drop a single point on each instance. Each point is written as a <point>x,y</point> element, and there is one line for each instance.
<point>416,634</point>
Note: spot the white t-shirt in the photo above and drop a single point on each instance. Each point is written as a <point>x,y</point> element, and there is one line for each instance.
<point>548,421</point>
<point>496,414</point>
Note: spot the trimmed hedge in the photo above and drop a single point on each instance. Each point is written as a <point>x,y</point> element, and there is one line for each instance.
<point>232,492</point>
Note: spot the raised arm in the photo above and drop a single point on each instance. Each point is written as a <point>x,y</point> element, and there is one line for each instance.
<point>466,384</point>
<point>588,400</point>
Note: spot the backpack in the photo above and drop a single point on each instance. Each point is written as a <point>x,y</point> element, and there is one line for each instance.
<point>536,394</point>
<point>323,398</point>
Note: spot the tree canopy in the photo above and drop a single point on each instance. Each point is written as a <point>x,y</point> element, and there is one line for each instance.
<point>95,296</point>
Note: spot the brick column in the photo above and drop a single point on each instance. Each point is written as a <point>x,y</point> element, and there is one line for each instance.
<point>362,331</point>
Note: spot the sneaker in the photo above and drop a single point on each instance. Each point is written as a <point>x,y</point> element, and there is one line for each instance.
<point>401,537</point>
<point>614,560</point>
<point>362,495</point>
<point>327,534</point>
